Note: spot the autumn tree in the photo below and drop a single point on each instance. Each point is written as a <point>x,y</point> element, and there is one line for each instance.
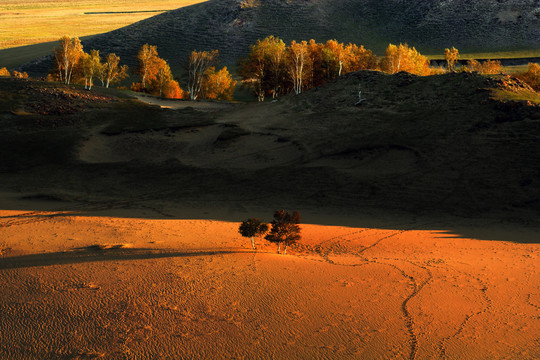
<point>147,68</point>
<point>532,76</point>
<point>4,72</point>
<point>264,67</point>
<point>218,85</point>
<point>451,56</point>
<point>252,227</point>
<point>404,58</point>
<point>359,58</point>
<point>198,64</point>
<point>297,63</point>
<point>485,67</point>
<point>172,90</point>
<point>90,67</point>
<point>19,75</point>
<point>111,72</point>
<point>333,56</point>
<point>285,229</point>
<point>67,56</point>
<point>156,75</point>
<point>315,74</point>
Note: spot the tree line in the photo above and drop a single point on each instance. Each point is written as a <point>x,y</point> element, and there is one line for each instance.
<point>271,68</point>
<point>73,64</point>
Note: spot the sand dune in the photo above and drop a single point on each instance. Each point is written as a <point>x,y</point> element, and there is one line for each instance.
<point>101,286</point>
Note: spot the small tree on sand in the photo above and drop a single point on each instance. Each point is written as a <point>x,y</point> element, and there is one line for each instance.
<point>285,229</point>
<point>252,227</point>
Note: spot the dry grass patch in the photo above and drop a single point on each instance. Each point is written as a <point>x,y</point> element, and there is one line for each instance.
<point>32,22</point>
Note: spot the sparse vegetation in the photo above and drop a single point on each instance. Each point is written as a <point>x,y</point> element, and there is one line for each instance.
<point>531,76</point>
<point>252,227</point>
<point>285,229</point>
<point>485,67</point>
<point>451,56</point>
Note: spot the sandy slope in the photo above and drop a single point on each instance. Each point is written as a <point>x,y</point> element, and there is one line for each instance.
<point>193,289</point>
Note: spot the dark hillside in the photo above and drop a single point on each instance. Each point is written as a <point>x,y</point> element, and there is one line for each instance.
<point>460,144</point>
<point>232,25</point>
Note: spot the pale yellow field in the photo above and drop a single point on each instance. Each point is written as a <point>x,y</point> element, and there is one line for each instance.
<point>26,22</point>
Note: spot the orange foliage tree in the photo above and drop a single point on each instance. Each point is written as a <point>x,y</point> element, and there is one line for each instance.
<point>532,76</point>
<point>359,58</point>
<point>67,56</point>
<point>218,85</point>
<point>156,76</point>
<point>198,63</point>
<point>404,58</point>
<point>485,67</point>
<point>4,72</point>
<point>19,75</point>
<point>147,69</point>
<point>172,90</point>
<point>451,56</point>
<point>298,64</point>
<point>333,57</point>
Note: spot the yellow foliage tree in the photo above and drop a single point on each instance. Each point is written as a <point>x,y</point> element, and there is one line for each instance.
<point>67,56</point>
<point>155,73</point>
<point>111,72</point>
<point>147,68</point>
<point>218,85</point>
<point>451,56</point>
<point>532,76</point>
<point>404,58</point>
<point>298,64</point>
<point>359,58</point>
<point>198,63</point>
<point>485,67</point>
<point>4,72</point>
<point>90,67</point>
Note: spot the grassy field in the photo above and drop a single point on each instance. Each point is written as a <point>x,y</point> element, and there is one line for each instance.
<point>26,22</point>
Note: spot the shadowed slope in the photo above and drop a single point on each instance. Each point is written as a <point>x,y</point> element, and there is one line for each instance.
<point>230,26</point>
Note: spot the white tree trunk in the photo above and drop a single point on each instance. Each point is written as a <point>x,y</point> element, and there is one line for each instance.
<point>253,243</point>
<point>279,247</point>
<point>285,251</point>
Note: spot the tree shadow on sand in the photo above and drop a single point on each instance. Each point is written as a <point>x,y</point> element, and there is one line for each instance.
<point>97,253</point>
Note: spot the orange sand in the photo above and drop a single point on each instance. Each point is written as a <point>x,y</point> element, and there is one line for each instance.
<point>193,289</point>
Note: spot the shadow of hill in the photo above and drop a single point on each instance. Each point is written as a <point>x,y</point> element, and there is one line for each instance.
<point>85,255</point>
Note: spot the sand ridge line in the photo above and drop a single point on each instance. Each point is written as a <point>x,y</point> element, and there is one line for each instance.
<point>489,304</point>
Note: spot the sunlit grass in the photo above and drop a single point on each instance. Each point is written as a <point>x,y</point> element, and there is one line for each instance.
<point>521,95</point>
<point>30,22</point>
<point>515,54</point>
